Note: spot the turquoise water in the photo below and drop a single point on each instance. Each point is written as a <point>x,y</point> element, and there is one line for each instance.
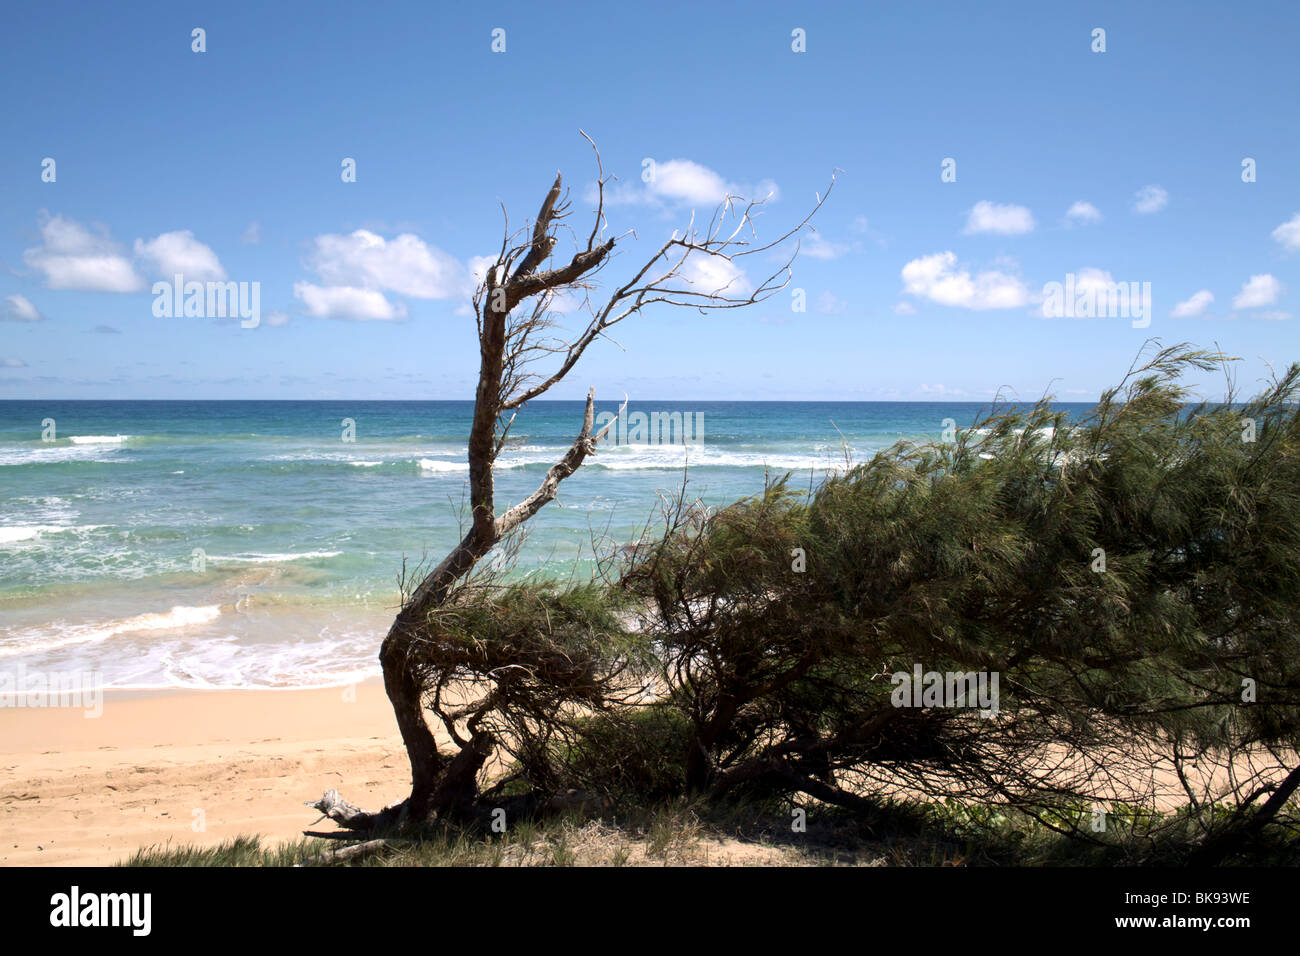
<point>301,534</point>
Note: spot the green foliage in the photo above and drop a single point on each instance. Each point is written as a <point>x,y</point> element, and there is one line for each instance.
<point>516,665</point>
<point>534,629</point>
<point>636,758</point>
<point>1124,576</point>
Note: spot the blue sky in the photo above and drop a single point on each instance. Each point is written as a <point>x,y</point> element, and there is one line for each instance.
<point>228,163</point>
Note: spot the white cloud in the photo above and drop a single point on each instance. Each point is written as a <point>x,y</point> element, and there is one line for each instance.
<point>713,274</point>
<point>1273,315</point>
<point>347,302</point>
<point>70,256</point>
<point>12,363</point>
<point>1257,292</point>
<point>478,267</point>
<point>1082,213</point>
<point>1090,282</point>
<point>1194,306</point>
<point>904,308</point>
<point>1150,199</point>
<point>253,234</point>
<point>938,279</point>
<point>19,308</point>
<point>405,265</point>
<point>277,318</point>
<point>357,270</point>
<point>817,246</point>
<point>862,227</point>
<point>1003,220</point>
<point>828,303</point>
<point>681,182</point>
<point>174,253</point>
<point>1288,234</point>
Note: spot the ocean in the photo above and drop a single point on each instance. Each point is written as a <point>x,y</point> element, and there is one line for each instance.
<point>231,544</point>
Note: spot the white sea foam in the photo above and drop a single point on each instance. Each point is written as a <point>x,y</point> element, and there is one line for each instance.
<point>331,660</point>
<point>302,456</point>
<point>305,457</point>
<point>365,464</point>
<point>98,439</point>
<point>676,457</point>
<point>52,454</point>
<point>19,533</point>
<point>33,640</point>
<point>27,533</point>
<point>309,651</point>
<point>429,464</point>
<point>653,457</point>
<point>255,558</point>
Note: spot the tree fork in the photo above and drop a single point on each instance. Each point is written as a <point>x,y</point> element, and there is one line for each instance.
<point>441,783</point>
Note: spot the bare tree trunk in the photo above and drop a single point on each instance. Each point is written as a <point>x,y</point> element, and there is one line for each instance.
<point>403,682</point>
<point>458,785</point>
<point>699,762</point>
<point>508,344</point>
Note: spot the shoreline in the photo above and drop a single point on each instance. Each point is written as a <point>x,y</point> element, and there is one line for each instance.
<point>142,692</point>
<point>189,766</point>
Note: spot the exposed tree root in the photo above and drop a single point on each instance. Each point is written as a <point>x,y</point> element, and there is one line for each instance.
<point>353,818</point>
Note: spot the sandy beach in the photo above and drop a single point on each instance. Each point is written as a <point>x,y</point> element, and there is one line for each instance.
<point>193,767</point>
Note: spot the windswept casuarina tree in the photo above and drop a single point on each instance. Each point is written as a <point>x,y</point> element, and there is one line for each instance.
<point>433,661</point>
<point>1125,585</point>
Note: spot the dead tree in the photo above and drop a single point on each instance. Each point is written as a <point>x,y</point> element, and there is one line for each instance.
<point>513,307</point>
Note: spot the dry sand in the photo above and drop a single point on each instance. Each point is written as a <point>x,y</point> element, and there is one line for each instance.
<point>79,791</point>
<point>91,791</point>
<point>200,767</point>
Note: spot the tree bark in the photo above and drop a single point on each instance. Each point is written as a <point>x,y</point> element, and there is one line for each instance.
<point>441,783</point>
<point>347,854</point>
<point>404,683</point>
